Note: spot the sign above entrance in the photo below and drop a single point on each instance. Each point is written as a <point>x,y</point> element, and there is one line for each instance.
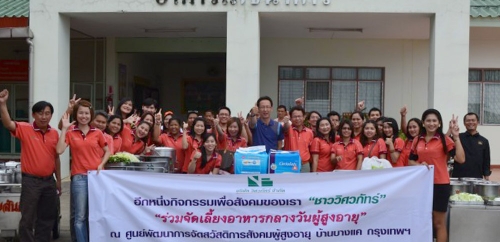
<point>14,70</point>
<point>251,2</point>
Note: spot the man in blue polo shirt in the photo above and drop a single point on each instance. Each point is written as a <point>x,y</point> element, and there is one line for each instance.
<point>265,131</point>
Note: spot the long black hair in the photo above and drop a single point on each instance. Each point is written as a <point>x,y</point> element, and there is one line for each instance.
<point>395,129</point>
<point>363,139</point>
<point>439,129</point>
<point>341,125</point>
<point>204,159</point>
<point>118,110</point>
<point>419,123</point>
<point>191,131</point>
<point>331,135</point>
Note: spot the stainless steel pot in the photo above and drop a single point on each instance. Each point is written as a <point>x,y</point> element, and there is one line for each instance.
<point>488,190</point>
<point>165,151</point>
<point>7,175</point>
<point>18,175</point>
<point>460,186</point>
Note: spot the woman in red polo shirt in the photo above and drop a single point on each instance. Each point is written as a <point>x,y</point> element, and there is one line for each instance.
<point>312,118</point>
<point>357,119</point>
<point>172,138</point>
<point>193,141</point>
<point>89,151</point>
<point>321,147</point>
<point>135,142</point>
<point>348,152</point>
<point>393,142</point>
<point>372,144</point>
<point>413,129</point>
<point>100,122</point>
<point>433,147</point>
<point>233,139</point>
<point>206,160</point>
<point>114,128</point>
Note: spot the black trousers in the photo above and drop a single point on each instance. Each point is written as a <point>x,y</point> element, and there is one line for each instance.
<point>38,209</point>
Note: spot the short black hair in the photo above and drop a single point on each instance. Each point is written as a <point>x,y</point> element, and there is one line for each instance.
<point>298,108</point>
<point>264,98</point>
<point>150,101</point>
<point>281,106</point>
<point>226,108</point>
<point>101,113</point>
<point>471,113</point>
<point>40,106</point>
<point>333,113</point>
<point>374,110</point>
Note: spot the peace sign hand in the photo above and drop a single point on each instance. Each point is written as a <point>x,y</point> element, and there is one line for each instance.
<point>111,110</point>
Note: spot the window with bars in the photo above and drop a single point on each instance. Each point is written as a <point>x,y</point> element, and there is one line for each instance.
<point>484,94</point>
<point>331,88</point>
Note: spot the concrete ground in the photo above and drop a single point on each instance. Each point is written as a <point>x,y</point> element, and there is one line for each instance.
<point>65,233</point>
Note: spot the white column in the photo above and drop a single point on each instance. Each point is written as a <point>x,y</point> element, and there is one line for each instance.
<point>449,62</point>
<point>243,60</point>
<point>51,65</point>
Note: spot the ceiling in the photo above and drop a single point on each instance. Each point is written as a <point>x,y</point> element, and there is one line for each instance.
<point>272,25</point>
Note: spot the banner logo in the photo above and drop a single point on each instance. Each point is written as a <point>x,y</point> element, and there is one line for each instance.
<point>255,181</point>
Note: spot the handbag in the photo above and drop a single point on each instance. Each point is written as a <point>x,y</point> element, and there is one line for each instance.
<point>227,159</point>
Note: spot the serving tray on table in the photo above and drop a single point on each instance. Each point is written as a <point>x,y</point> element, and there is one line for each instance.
<point>467,203</point>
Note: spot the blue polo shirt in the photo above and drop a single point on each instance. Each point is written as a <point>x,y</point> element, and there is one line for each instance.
<point>267,135</point>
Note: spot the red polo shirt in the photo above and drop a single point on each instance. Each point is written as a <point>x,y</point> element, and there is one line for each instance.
<point>38,152</point>
<point>432,153</point>
<point>193,144</point>
<point>232,145</point>
<point>405,153</point>
<point>322,148</point>
<point>167,140</point>
<point>127,137</point>
<point>349,153</point>
<point>398,147</point>
<point>214,162</point>
<point>86,149</point>
<point>379,148</point>
<point>301,141</point>
<point>117,143</point>
<point>110,142</point>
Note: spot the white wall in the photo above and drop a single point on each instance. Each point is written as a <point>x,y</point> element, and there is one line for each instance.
<point>486,54</point>
<point>405,63</point>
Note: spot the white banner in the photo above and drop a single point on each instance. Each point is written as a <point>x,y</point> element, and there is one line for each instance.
<point>374,205</point>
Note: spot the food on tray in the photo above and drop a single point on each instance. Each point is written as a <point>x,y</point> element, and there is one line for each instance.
<point>466,197</point>
<point>124,157</point>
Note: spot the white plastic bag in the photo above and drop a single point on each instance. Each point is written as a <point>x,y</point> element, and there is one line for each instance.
<point>375,163</point>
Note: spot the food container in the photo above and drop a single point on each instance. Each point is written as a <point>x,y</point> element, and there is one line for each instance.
<point>460,186</point>
<point>6,176</point>
<point>165,151</point>
<point>487,189</point>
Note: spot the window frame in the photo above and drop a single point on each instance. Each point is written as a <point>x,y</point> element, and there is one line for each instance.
<point>482,83</point>
<point>331,80</point>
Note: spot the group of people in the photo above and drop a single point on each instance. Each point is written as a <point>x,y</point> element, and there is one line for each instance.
<point>324,144</point>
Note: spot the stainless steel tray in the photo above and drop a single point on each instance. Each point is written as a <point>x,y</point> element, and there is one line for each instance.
<point>466,203</point>
<point>493,203</point>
